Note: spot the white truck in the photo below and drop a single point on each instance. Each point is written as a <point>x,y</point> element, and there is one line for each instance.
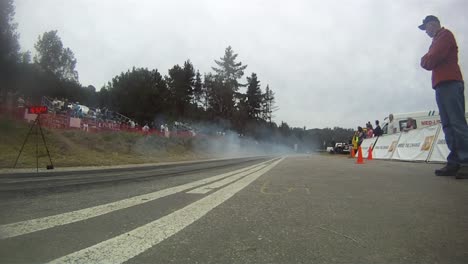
<point>339,148</point>
<point>422,119</point>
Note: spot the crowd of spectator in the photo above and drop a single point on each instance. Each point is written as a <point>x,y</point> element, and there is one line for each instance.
<point>370,131</point>
<point>367,132</point>
<point>99,118</point>
<point>105,119</point>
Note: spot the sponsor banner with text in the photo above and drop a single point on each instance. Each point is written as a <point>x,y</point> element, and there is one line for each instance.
<point>385,146</point>
<point>415,145</point>
<point>440,151</point>
<point>366,143</point>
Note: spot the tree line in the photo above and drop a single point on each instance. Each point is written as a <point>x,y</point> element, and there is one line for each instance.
<point>149,96</point>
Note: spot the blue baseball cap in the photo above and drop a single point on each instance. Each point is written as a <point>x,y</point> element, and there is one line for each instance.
<point>426,20</point>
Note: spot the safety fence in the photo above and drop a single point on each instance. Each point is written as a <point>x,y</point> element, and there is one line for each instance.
<point>424,145</point>
<point>64,121</point>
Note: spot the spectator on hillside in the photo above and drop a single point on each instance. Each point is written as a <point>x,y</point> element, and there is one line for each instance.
<point>21,105</point>
<point>10,101</point>
<point>166,131</point>
<point>145,129</point>
<point>55,104</point>
<point>378,130</point>
<point>74,112</point>
<point>60,105</point>
<point>64,108</point>
<point>20,102</point>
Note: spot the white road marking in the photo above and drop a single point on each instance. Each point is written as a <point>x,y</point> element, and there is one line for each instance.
<point>218,184</point>
<point>34,225</point>
<point>128,245</point>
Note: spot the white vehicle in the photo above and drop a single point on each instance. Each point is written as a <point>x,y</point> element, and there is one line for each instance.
<point>339,148</point>
<point>422,119</point>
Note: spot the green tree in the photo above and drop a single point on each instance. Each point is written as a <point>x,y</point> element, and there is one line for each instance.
<point>254,97</point>
<point>240,117</point>
<point>229,70</point>
<point>268,104</point>
<point>227,75</point>
<point>213,102</point>
<point>9,45</point>
<point>140,94</point>
<point>89,96</point>
<point>181,86</point>
<point>198,90</point>
<point>53,57</point>
<point>316,137</point>
<point>104,97</point>
<point>220,100</point>
<point>284,129</point>
<point>25,57</point>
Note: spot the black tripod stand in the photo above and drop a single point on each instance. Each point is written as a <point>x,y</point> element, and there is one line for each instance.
<point>37,125</point>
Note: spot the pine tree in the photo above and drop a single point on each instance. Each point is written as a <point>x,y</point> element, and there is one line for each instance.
<point>229,70</point>
<point>227,85</point>
<point>198,90</point>
<point>254,97</point>
<point>140,94</point>
<point>269,104</point>
<point>215,102</point>
<point>181,86</point>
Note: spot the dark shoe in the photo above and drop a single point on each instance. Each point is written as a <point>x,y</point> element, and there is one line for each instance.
<point>447,171</point>
<point>462,173</point>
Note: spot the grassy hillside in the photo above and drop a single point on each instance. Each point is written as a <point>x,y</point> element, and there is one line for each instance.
<point>79,148</point>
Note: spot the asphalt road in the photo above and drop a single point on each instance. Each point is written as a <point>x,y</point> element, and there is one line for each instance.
<point>296,209</point>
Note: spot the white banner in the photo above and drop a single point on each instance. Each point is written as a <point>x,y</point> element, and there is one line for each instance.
<point>440,151</point>
<point>75,122</point>
<point>415,144</point>
<point>385,146</point>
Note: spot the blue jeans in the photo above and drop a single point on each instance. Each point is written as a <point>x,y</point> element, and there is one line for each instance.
<point>451,102</point>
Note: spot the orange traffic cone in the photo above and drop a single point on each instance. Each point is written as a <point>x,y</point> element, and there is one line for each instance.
<point>359,160</point>
<point>353,154</point>
<point>369,155</point>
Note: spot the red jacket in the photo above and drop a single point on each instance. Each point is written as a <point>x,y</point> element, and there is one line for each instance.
<point>442,58</point>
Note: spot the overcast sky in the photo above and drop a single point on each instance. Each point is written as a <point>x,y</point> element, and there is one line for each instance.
<point>330,63</point>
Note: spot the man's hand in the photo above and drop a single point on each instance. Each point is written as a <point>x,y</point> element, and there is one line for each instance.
<point>424,63</point>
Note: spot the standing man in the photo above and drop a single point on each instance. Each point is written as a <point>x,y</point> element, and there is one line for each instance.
<point>447,81</point>
<point>391,129</point>
<point>378,130</point>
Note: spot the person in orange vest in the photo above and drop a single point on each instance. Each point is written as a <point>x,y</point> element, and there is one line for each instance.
<point>354,141</point>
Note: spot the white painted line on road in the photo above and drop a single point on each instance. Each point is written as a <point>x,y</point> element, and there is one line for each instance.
<point>218,184</point>
<point>128,245</point>
<point>34,225</point>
